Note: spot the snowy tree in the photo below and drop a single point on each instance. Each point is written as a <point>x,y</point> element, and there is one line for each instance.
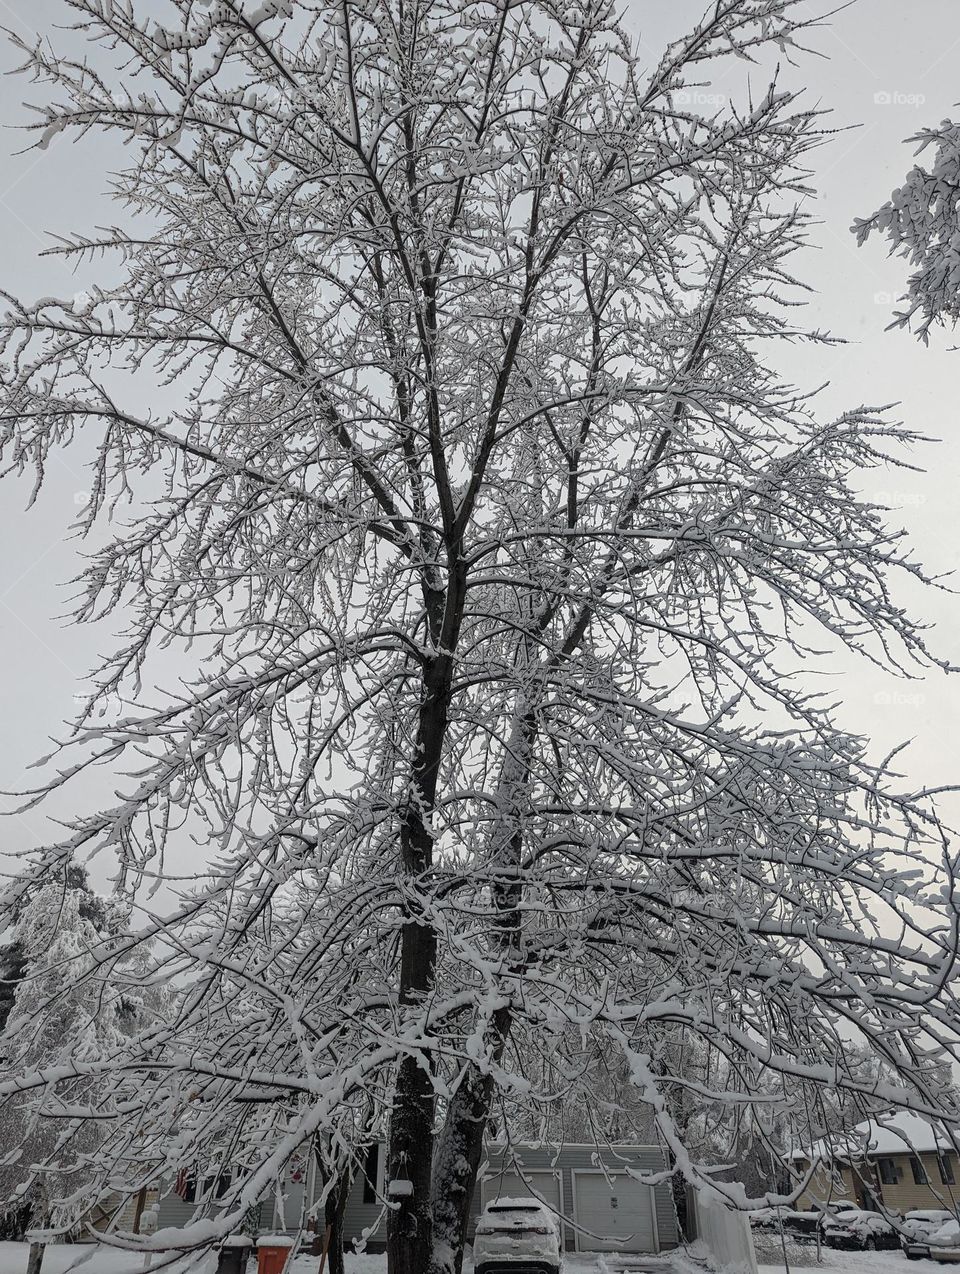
<point>23,947</point>
<point>13,1220</point>
<point>13,952</point>
<point>430,408</point>
<point>57,1010</point>
<point>921,220</point>
<point>12,968</point>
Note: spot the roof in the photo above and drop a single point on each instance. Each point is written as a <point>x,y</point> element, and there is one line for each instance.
<point>895,1134</point>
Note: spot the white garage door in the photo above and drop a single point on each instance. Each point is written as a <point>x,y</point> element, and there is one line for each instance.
<point>616,1209</point>
<point>510,1185</point>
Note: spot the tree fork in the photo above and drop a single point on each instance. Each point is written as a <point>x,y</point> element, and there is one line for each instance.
<point>461,1141</point>
<point>457,1160</point>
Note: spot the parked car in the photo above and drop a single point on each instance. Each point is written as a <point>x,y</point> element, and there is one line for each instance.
<point>798,1225</point>
<point>516,1236</point>
<point>916,1229</point>
<point>857,1229</point>
<point>945,1242</point>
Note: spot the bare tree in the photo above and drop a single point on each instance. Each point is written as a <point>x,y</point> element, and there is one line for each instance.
<point>501,550</point>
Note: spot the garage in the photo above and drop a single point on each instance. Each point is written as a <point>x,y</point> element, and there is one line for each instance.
<point>568,1179</point>
<point>510,1185</point>
<point>616,1210</point>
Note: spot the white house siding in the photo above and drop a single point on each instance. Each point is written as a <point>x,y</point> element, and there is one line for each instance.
<point>174,1212</point>
<point>359,1216</point>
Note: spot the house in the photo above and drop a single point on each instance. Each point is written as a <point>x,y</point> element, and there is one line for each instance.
<point>120,1211</point>
<point>898,1162</point>
<point>601,1204</point>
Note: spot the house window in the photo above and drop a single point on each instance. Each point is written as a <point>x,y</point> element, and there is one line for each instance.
<point>192,1189</point>
<point>887,1170</point>
<point>371,1170</point>
<point>945,1164</point>
<point>218,1186</point>
<point>919,1171</point>
<point>185,1185</point>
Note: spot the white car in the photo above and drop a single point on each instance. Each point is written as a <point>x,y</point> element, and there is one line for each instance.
<point>945,1242</point>
<point>917,1227</point>
<point>516,1236</point>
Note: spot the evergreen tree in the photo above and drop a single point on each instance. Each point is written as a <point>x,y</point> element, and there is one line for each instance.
<point>13,962</point>
<point>13,955</point>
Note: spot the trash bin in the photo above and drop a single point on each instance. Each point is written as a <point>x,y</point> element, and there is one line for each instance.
<point>272,1253</point>
<point>234,1253</point>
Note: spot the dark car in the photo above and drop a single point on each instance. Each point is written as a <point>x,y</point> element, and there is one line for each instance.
<point>858,1230</point>
<point>799,1226</point>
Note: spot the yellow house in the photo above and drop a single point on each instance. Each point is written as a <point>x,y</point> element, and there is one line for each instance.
<point>898,1162</point>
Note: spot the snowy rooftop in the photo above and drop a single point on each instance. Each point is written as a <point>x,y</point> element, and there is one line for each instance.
<point>901,1133</point>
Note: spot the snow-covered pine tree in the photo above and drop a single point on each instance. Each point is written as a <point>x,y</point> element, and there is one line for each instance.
<point>60,931</point>
<point>12,966</point>
<point>502,550</point>
<point>14,1219</point>
<point>13,957</point>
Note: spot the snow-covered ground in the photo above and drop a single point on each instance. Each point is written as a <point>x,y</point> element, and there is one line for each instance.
<point>60,1259</point>
<point>88,1259</point>
<point>860,1263</point>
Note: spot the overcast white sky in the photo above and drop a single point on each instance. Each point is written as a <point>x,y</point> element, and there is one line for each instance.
<point>890,67</point>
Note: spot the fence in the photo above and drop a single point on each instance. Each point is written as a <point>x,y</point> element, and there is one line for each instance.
<point>723,1235</point>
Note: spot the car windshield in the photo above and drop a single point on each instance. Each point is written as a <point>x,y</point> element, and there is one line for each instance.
<point>514,1207</point>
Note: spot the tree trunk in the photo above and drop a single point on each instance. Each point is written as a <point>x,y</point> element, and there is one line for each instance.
<point>333,1209</point>
<point>35,1259</point>
<point>410,1153</point>
<point>461,1142</point>
<point>410,1159</point>
<point>457,1160</point>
